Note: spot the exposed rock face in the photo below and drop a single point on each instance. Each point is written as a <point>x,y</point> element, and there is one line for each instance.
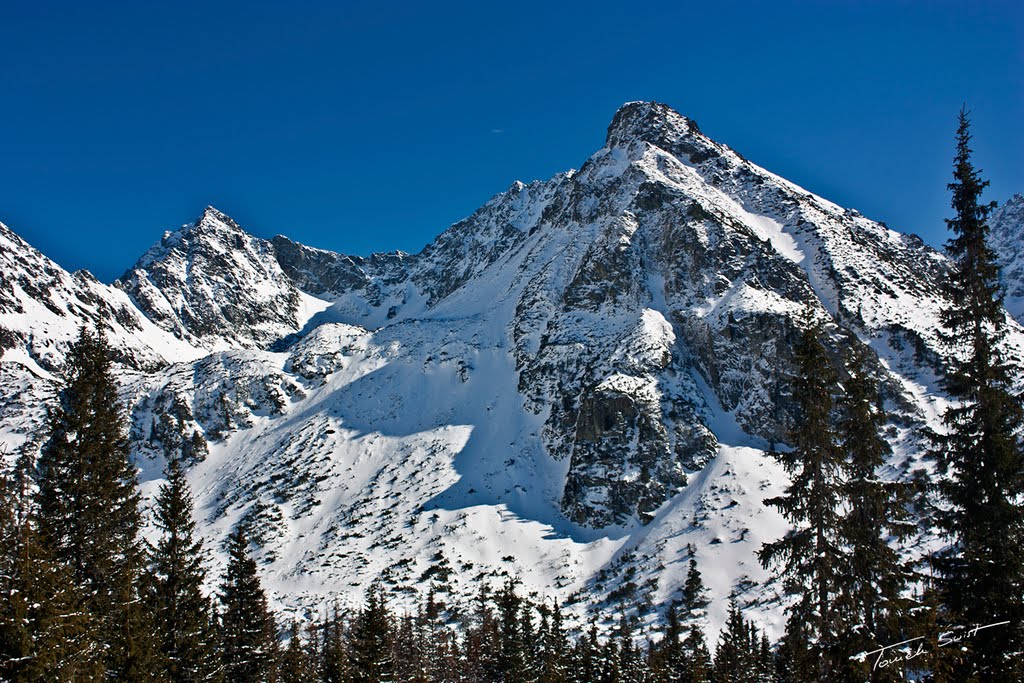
<point>1007,237</point>
<point>570,385</point>
<point>42,308</point>
<point>215,285</point>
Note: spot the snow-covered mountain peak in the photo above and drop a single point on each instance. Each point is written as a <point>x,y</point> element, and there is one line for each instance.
<point>217,286</point>
<point>213,230</point>
<point>651,122</point>
<point>43,307</point>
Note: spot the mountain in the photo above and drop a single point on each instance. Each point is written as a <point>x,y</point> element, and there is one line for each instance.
<point>571,385</point>
<point>1007,238</point>
<point>216,286</point>
<point>42,307</point>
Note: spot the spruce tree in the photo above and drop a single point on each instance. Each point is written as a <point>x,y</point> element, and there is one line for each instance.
<point>554,645</point>
<point>409,648</point>
<point>45,633</point>
<point>586,657</point>
<point>980,454</point>
<point>515,660</point>
<point>247,626</point>
<point>335,662</point>
<point>811,554</point>
<point>89,506</point>
<point>670,657</point>
<point>795,660</point>
<point>694,593</point>
<point>630,666</point>
<point>296,665</point>
<point>872,599</point>
<point>698,657</point>
<point>734,660</point>
<point>180,609</point>
<point>372,639</point>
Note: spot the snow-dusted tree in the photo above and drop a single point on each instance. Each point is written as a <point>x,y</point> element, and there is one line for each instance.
<point>873,599</point>
<point>980,455</point>
<point>175,597</point>
<point>247,626</point>
<point>45,633</point>
<point>694,596</point>
<point>89,506</point>
<point>372,639</point>
<point>811,554</point>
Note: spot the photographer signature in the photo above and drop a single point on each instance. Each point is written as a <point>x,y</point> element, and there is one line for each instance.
<point>910,652</point>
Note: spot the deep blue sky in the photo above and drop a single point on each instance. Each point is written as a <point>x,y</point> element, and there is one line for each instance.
<point>363,127</point>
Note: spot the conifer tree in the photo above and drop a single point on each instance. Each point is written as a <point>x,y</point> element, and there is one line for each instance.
<point>89,507</point>
<point>872,598</point>
<point>554,646</point>
<point>694,593</point>
<point>335,663</point>
<point>670,657</point>
<point>734,660</point>
<point>296,665</point>
<point>586,657</point>
<point>481,641</point>
<point>811,554</point>
<point>765,661</point>
<point>980,454</point>
<point>410,646</point>
<point>795,661</point>
<point>698,658</point>
<point>610,671</point>
<point>180,609</point>
<point>247,626</point>
<point>45,634</point>
<point>630,667</point>
<point>372,639</point>
<point>515,660</point>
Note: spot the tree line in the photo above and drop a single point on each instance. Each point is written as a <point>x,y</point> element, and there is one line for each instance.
<point>86,599</point>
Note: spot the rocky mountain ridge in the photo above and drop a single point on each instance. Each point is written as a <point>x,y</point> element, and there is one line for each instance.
<point>571,385</point>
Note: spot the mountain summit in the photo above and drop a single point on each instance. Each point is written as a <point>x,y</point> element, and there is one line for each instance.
<point>572,385</point>
<point>215,285</point>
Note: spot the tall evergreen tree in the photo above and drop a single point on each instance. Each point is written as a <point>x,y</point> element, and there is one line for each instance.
<point>982,569</point>
<point>735,659</point>
<point>296,664</point>
<point>811,553</point>
<point>554,646</point>
<point>45,634</point>
<point>586,657</point>
<point>630,667</point>
<point>180,609</point>
<point>698,658</point>
<point>89,506</point>
<point>335,664</point>
<point>872,600</point>
<point>409,648</point>
<point>515,659</point>
<point>795,661</point>
<point>669,657</point>
<point>247,626</point>
<point>481,641</point>
<point>371,640</point>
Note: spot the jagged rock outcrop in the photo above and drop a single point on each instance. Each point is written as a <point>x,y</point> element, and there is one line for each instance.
<point>42,308</point>
<point>214,285</point>
<point>1007,237</point>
